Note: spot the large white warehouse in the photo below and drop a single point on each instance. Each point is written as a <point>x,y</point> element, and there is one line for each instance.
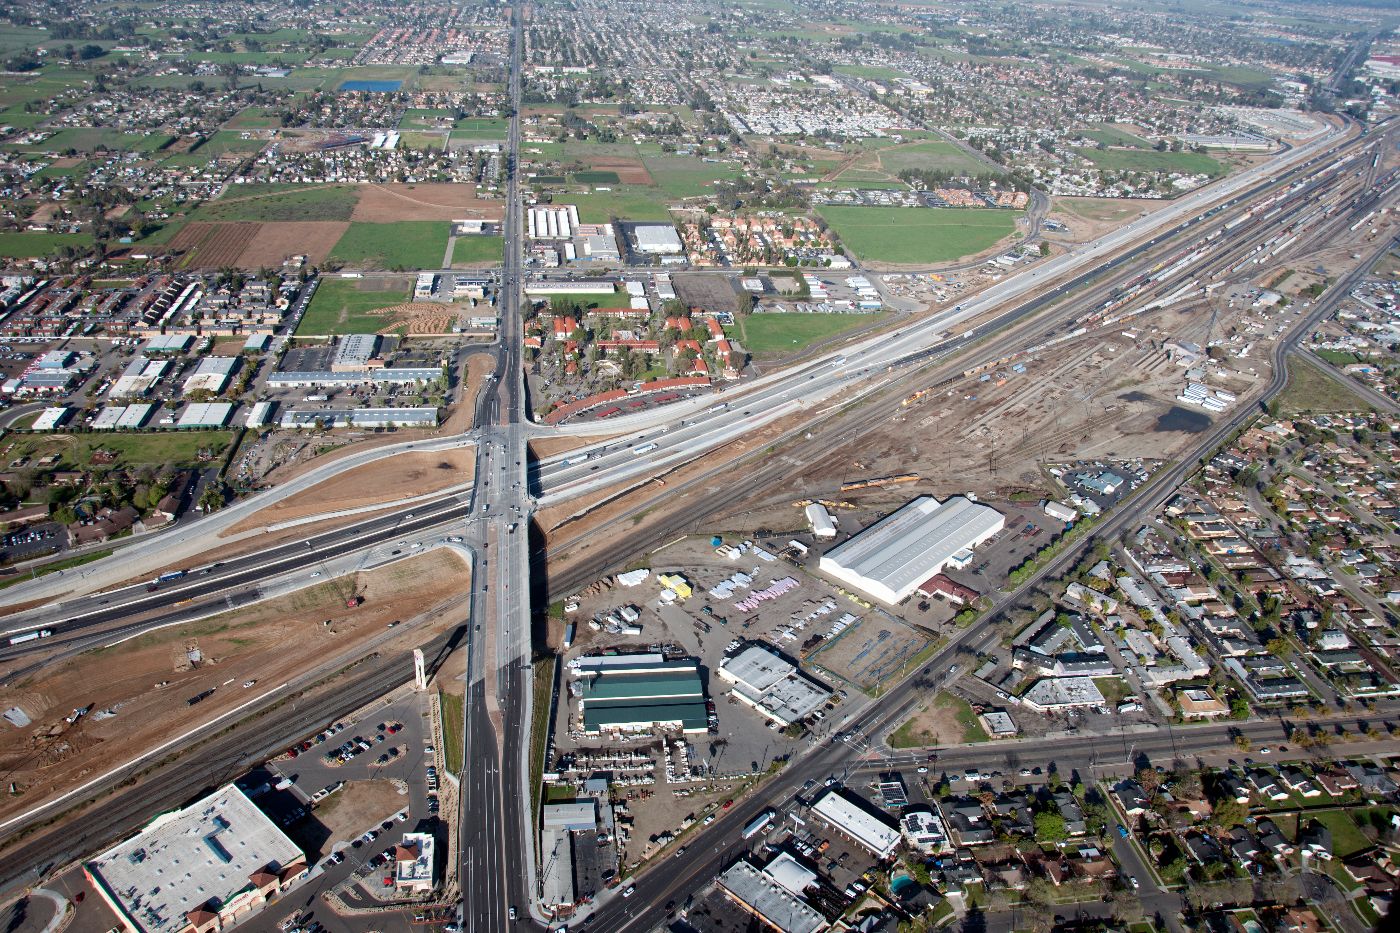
<point>891,558</point>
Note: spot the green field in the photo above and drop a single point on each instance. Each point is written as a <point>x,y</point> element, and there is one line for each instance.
<point>269,203</point>
<point>478,249</point>
<point>425,118</point>
<point>89,139</point>
<point>408,244</point>
<point>421,141</point>
<point>777,332</point>
<point>254,118</point>
<point>629,202</point>
<point>564,303</point>
<point>155,448</point>
<point>229,141</point>
<point>873,72</point>
<point>30,245</point>
<point>341,306</point>
<point>1347,838</point>
<point>687,177</point>
<point>16,90</point>
<point>911,235</point>
<point>1150,160</point>
<point>481,128</point>
<point>937,156</point>
<point>1112,136</point>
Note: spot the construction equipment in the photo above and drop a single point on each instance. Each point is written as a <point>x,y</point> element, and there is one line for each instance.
<point>880,482</point>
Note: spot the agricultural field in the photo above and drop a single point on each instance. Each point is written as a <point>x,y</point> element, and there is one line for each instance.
<point>253,118</point>
<point>686,177</point>
<point>344,306</point>
<point>477,250</point>
<point>30,245</point>
<point>213,245</point>
<point>910,235</point>
<point>271,203</point>
<point>927,156</point>
<point>407,244</point>
<point>1114,136</point>
<point>434,201</point>
<point>772,333</point>
<point>1136,160</point>
<point>92,139</point>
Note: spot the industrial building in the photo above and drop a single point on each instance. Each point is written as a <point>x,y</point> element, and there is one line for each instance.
<point>548,287</point>
<point>425,417</point>
<point>635,697</point>
<point>51,418</point>
<point>771,685</point>
<point>211,375</point>
<point>820,519</point>
<point>768,899</point>
<point>353,352</point>
<point>200,869</point>
<point>891,558</point>
<point>393,375</point>
<point>414,868</point>
<point>551,223</point>
<point>205,415</point>
<point>657,239</point>
<point>857,821</point>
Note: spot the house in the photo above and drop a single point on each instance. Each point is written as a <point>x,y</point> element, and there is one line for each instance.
<point>1299,920</point>
<point>1131,798</point>
<point>1243,846</point>
<point>1233,788</point>
<point>1273,840</point>
<point>1204,849</point>
<point>1316,840</point>
<point>1297,782</point>
<point>106,524</point>
<point>1335,783</point>
<point>1264,783</point>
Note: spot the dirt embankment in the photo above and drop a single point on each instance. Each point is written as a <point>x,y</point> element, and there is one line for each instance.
<point>138,690</point>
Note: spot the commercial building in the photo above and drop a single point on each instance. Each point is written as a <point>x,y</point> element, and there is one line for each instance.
<point>134,416</point>
<point>551,223</point>
<point>857,821</point>
<point>571,287</point>
<point>891,558</point>
<point>425,417</point>
<point>771,685</point>
<point>197,870</point>
<point>414,868</point>
<point>1059,510</point>
<point>924,830</point>
<point>260,415</point>
<point>168,343</point>
<point>138,377</point>
<point>639,697</point>
<point>1055,693</point>
<point>768,900</point>
<point>657,239</point>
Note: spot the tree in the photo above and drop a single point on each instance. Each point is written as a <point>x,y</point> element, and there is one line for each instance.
<point>1227,813</point>
<point>1049,827</point>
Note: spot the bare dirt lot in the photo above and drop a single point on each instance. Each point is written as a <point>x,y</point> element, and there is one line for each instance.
<point>400,477</point>
<point>276,242</point>
<point>707,292</point>
<point>213,245</point>
<point>435,201</point>
<point>139,689</point>
<point>358,804</point>
<point>629,171</point>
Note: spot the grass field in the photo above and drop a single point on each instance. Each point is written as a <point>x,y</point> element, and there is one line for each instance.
<point>474,249</point>
<point>685,177</point>
<point>1312,391</point>
<point>225,142</point>
<point>562,303</point>
<point>453,730</point>
<point>157,448</point>
<point>624,203</point>
<point>253,118</point>
<point>481,128</point>
<point>935,156</point>
<point>408,244</point>
<point>30,245</point>
<point>1112,136</point>
<point>342,307</point>
<point>776,332</point>
<point>90,139</point>
<point>423,140</point>
<point>271,203</point>
<point>1150,160</point>
<point>911,235</point>
<point>422,117</point>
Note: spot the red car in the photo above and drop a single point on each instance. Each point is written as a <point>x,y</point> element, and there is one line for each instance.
<point>726,805</point>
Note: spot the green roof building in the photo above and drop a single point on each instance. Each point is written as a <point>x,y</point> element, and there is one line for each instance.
<point>662,695</point>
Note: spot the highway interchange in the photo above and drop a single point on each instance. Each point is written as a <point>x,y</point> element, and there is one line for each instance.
<point>496,840</point>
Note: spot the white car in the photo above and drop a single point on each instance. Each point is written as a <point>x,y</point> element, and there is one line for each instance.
<point>315,574</point>
<point>631,889</point>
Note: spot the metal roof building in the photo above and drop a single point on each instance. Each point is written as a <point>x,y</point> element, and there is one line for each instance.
<point>664,695</point>
<point>657,239</point>
<point>354,351</point>
<point>891,558</point>
<point>205,415</point>
<point>51,418</point>
<point>772,685</point>
<point>361,417</point>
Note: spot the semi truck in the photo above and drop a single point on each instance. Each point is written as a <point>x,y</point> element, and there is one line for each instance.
<point>31,636</point>
<point>759,824</point>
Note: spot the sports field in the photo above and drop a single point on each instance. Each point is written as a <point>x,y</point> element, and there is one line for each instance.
<point>1150,160</point>
<point>777,332</point>
<point>406,245</point>
<point>341,306</point>
<point>914,235</point>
